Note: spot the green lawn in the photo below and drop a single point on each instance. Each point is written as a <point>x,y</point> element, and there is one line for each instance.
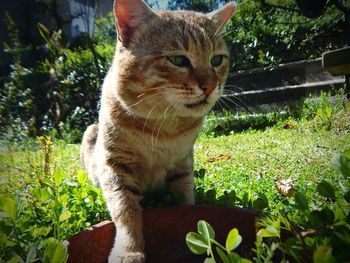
<point>249,162</point>
<point>45,193</point>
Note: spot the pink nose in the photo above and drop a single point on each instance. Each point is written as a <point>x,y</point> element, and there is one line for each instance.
<point>207,88</point>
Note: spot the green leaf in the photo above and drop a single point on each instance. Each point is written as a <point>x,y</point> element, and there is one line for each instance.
<point>65,215</point>
<point>293,247</point>
<point>234,257</point>
<point>323,254</point>
<point>209,260</point>
<point>82,178</point>
<point>261,203</point>
<point>233,239</point>
<point>44,32</point>
<point>228,198</point>
<point>196,243</point>
<point>58,176</point>
<point>199,174</point>
<point>205,230</point>
<point>343,233</point>
<point>31,256</point>
<point>267,233</point>
<point>347,197</point>
<point>55,251</point>
<point>272,229</point>
<point>42,194</point>
<point>15,259</point>
<point>64,200</point>
<point>325,189</point>
<point>8,204</point>
<point>301,201</point>
<point>41,231</point>
<point>342,163</point>
<point>321,218</point>
<point>222,255</point>
<point>211,195</point>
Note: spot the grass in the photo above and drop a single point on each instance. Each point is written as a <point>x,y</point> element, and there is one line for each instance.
<point>45,196</point>
<point>250,162</point>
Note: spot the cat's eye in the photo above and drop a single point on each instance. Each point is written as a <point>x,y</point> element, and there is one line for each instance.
<point>216,60</point>
<point>180,61</point>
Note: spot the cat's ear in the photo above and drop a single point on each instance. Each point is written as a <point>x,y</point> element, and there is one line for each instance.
<point>221,16</point>
<point>130,14</point>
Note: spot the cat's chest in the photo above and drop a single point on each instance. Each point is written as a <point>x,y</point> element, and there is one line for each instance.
<point>164,152</point>
<point>162,157</point>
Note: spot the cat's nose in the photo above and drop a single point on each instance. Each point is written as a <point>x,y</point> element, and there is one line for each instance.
<point>207,88</point>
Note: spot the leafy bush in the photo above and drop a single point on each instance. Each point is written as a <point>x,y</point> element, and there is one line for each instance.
<point>274,36</point>
<point>321,227</point>
<point>60,93</point>
<point>46,206</point>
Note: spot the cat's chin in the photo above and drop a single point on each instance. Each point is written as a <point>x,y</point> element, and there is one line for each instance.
<point>196,110</point>
<point>197,105</point>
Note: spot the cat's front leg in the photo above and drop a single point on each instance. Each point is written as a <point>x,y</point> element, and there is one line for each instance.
<point>123,196</point>
<point>180,181</point>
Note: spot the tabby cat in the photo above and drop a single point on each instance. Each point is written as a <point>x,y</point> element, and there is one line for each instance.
<point>168,71</point>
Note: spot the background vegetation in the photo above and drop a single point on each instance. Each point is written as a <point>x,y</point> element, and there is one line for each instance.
<point>282,170</point>
<point>57,93</point>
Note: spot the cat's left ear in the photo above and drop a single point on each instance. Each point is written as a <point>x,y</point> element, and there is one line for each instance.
<point>221,16</point>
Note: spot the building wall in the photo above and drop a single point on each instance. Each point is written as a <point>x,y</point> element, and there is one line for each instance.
<point>104,7</point>
<point>82,13</point>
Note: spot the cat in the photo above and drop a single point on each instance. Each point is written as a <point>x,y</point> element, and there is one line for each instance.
<point>168,71</point>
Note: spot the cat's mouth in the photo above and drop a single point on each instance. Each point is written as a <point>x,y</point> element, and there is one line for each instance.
<point>196,104</point>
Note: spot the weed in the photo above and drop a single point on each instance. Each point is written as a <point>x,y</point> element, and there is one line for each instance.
<point>50,199</point>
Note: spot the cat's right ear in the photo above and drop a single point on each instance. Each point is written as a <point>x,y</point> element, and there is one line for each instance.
<point>129,14</point>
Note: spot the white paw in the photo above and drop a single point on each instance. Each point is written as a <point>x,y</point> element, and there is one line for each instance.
<point>127,258</point>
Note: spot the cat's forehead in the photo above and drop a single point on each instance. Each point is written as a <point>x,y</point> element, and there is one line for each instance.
<point>181,30</point>
<point>185,22</point>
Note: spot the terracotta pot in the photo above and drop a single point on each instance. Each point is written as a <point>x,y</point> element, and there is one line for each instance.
<point>165,230</point>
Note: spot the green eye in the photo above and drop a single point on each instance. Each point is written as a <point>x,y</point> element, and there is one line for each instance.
<point>216,60</point>
<point>180,61</point>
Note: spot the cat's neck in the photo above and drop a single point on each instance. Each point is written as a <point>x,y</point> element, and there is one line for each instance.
<point>163,127</point>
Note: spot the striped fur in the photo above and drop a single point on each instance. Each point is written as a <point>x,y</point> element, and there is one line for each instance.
<point>152,110</point>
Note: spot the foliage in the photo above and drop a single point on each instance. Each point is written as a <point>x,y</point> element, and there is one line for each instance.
<point>60,93</point>
<point>307,224</point>
<point>321,227</point>
<point>45,201</point>
<point>197,5</point>
<point>204,242</point>
<point>45,194</point>
<point>321,110</point>
<point>105,29</point>
<point>272,36</point>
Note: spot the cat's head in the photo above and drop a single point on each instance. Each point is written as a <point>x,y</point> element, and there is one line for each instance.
<point>170,63</point>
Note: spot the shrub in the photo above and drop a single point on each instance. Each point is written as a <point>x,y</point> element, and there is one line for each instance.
<point>45,202</point>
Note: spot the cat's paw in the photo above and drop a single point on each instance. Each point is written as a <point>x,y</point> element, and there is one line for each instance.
<point>127,258</point>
